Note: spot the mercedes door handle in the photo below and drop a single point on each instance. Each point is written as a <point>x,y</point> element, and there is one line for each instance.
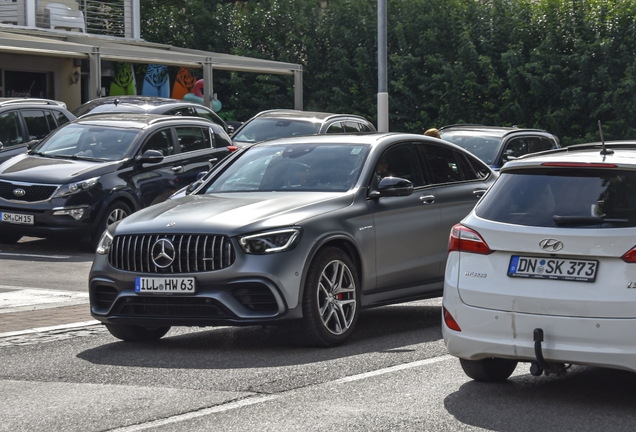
<point>479,192</point>
<point>177,169</point>
<point>427,199</point>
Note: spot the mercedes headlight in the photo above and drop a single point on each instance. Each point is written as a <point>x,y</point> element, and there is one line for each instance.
<point>270,241</point>
<point>104,243</point>
<point>72,188</point>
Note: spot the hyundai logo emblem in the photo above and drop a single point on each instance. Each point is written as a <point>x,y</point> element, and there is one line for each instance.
<point>551,245</point>
<point>19,192</point>
<point>163,253</point>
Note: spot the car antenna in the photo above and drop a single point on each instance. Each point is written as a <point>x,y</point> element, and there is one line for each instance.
<point>116,101</point>
<point>604,151</point>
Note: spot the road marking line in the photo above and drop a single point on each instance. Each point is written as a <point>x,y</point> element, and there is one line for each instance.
<point>36,255</point>
<point>195,414</point>
<point>261,399</point>
<point>393,369</point>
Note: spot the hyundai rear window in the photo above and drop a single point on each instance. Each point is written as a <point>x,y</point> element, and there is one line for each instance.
<point>566,198</point>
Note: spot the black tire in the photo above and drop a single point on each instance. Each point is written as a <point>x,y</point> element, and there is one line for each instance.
<point>114,212</point>
<point>328,319</point>
<point>10,238</point>
<point>132,333</point>
<point>489,369</point>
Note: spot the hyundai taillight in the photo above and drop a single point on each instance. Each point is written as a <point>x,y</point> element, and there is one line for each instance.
<point>463,239</point>
<point>630,256</point>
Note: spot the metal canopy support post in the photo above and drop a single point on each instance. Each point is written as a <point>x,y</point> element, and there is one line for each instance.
<point>383,95</point>
<point>208,87</point>
<point>95,74</point>
<point>298,90</point>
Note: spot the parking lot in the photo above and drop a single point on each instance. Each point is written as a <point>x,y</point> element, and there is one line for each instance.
<point>394,374</point>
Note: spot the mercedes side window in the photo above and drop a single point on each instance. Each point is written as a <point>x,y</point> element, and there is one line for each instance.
<point>476,168</point>
<point>193,138</point>
<point>442,164</point>
<point>10,133</point>
<point>160,141</point>
<point>400,161</point>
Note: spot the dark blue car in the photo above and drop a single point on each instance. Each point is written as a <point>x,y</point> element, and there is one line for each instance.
<point>496,145</point>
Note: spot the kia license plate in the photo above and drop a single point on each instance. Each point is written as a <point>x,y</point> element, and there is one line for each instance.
<point>164,285</point>
<point>16,218</point>
<point>567,269</point>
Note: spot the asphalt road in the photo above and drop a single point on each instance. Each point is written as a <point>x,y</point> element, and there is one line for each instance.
<point>393,375</point>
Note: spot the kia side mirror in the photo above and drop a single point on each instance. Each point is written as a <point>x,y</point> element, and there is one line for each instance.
<point>150,156</point>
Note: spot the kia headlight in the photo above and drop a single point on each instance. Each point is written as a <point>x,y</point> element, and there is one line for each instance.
<point>104,243</point>
<point>73,188</point>
<point>268,242</point>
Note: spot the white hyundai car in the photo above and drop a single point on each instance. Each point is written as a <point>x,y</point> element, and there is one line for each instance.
<point>543,270</point>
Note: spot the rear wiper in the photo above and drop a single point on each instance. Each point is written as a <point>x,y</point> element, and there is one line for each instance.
<point>585,220</point>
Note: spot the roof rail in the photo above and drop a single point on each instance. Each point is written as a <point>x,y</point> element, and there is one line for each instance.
<point>36,101</point>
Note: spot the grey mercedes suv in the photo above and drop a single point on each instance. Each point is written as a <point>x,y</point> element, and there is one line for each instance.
<point>307,230</point>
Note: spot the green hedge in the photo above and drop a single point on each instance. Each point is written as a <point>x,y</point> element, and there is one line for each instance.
<point>552,64</point>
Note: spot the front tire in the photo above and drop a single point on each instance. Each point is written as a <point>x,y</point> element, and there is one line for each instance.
<point>132,333</point>
<point>489,369</point>
<point>330,299</point>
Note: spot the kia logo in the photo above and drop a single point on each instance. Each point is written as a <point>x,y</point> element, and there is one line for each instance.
<point>163,253</point>
<point>19,192</point>
<point>551,245</point>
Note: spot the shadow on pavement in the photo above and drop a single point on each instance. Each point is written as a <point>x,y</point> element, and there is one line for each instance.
<point>586,399</point>
<point>385,330</point>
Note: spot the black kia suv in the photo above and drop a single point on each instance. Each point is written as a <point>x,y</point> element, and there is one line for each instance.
<point>96,170</point>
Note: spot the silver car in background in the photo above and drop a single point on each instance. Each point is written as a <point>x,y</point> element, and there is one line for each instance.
<point>306,230</point>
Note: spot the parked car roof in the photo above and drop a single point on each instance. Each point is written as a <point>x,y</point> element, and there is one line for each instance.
<point>149,105</point>
<point>283,123</point>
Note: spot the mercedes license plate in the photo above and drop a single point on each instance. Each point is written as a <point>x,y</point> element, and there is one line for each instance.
<point>553,268</point>
<point>16,218</point>
<point>164,285</point>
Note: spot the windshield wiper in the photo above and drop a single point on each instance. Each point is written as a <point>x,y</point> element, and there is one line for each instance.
<point>42,154</point>
<point>86,158</point>
<point>585,220</point>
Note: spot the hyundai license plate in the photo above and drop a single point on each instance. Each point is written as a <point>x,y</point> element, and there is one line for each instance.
<point>553,268</point>
<point>16,218</point>
<point>164,285</point>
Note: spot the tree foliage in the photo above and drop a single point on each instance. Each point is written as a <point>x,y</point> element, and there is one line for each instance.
<point>559,65</point>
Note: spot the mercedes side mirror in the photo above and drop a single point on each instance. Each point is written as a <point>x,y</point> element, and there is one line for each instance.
<point>392,186</point>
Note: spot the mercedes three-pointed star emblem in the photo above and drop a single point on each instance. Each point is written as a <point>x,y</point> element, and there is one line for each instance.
<point>163,253</point>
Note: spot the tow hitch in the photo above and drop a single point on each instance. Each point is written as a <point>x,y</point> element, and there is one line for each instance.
<point>541,366</point>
